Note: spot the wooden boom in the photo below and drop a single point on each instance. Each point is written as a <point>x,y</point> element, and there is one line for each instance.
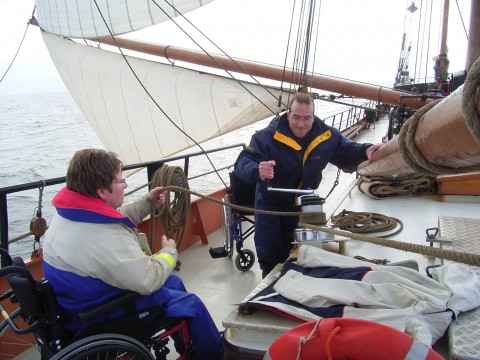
<point>316,81</point>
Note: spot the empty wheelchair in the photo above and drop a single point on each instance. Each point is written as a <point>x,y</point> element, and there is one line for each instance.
<point>138,334</point>
<point>242,194</point>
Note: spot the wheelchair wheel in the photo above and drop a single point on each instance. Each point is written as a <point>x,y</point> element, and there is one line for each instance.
<point>105,347</point>
<point>9,337</point>
<point>245,260</point>
<point>227,219</point>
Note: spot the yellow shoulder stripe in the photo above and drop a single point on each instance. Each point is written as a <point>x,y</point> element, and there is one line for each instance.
<point>319,139</point>
<point>286,140</point>
<point>165,256</point>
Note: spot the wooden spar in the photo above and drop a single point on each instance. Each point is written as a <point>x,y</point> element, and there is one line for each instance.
<point>316,81</point>
<point>441,136</point>
<point>473,48</point>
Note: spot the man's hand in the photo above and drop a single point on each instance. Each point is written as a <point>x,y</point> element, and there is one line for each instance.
<point>265,169</point>
<point>371,150</point>
<point>157,195</point>
<point>168,242</point>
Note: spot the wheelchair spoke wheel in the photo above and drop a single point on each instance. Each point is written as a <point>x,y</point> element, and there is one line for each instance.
<point>105,347</point>
<point>245,260</point>
<point>227,219</point>
<point>12,344</point>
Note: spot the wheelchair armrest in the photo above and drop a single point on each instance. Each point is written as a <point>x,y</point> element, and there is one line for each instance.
<point>108,305</point>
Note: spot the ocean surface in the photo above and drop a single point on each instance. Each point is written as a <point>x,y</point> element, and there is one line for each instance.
<point>41,132</point>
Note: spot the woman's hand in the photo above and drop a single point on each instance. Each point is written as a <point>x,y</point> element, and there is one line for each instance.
<point>157,195</point>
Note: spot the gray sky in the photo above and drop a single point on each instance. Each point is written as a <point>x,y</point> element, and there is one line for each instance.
<point>359,40</point>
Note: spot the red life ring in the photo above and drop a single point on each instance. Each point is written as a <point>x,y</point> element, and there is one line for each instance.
<point>343,338</point>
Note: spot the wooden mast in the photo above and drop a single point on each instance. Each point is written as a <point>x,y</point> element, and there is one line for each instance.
<point>316,81</point>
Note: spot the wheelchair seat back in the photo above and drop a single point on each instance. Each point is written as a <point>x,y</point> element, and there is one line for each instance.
<point>38,306</point>
<point>243,192</point>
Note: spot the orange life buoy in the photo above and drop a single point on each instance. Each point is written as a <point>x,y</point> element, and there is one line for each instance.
<point>343,338</point>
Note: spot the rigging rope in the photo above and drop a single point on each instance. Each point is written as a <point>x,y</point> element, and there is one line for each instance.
<point>320,217</point>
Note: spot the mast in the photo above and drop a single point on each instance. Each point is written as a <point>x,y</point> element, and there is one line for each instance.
<point>441,62</point>
<point>473,47</point>
<point>316,81</point>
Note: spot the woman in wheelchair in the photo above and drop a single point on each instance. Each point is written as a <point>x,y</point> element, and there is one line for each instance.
<point>93,252</point>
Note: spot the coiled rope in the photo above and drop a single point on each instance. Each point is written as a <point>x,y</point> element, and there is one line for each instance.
<point>457,256</point>
<point>406,142</point>
<point>364,222</point>
<point>405,186</point>
<point>173,212</point>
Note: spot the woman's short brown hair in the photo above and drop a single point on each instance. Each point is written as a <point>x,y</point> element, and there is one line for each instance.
<point>92,169</point>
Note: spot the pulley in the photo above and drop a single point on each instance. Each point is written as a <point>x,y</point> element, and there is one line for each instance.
<point>38,226</point>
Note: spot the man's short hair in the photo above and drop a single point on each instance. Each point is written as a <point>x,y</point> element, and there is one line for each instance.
<point>301,98</point>
<point>92,169</point>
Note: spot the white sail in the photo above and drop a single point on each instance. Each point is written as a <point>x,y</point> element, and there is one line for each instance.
<point>82,18</point>
<point>129,122</point>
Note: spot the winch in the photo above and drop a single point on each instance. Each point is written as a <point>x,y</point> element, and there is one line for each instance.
<point>311,203</point>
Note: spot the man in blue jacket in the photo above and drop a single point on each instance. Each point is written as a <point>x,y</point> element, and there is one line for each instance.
<point>291,153</point>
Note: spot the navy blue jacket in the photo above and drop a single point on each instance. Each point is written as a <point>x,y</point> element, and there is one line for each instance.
<point>299,162</point>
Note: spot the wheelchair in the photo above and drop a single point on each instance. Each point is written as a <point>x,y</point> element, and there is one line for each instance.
<point>138,334</point>
<point>242,194</point>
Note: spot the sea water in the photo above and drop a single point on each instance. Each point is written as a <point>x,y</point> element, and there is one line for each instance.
<point>41,132</point>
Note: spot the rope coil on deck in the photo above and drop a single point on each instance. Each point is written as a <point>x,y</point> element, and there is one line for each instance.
<point>402,186</point>
<point>365,222</point>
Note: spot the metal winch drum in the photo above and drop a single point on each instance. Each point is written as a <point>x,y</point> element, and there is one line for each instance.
<point>310,203</point>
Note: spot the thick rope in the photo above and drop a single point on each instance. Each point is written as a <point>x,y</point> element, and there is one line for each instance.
<point>470,99</point>
<point>457,256</point>
<point>173,212</point>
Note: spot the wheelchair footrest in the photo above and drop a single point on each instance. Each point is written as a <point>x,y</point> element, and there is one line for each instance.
<point>218,252</point>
